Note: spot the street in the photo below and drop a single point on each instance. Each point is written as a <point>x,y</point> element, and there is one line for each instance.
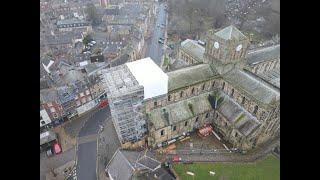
<point>87,145</point>
<point>155,49</point>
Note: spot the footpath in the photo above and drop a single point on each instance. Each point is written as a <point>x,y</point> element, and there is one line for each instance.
<point>258,153</point>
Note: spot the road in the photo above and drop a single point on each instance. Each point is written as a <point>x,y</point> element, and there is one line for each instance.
<point>155,49</point>
<point>87,145</point>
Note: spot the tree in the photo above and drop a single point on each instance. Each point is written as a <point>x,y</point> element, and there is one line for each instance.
<point>93,15</point>
<point>87,39</point>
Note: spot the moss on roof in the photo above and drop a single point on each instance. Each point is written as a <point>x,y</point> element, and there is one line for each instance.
<point>253,87</point>
<point>180,111</point>
<point>193,49</point>
<point>189,76</point>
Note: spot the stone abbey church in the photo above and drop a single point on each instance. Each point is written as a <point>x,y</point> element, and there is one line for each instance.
<point>234,89</point>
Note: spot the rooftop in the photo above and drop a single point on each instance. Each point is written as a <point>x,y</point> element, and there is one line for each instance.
<point>49,95</point>
<point>189,76</point>
<point>264,54</point>
<point>238,116</point>
<point>150,76</point>
<point>259,90</point>
<point>180,111</point>
<point>194,49</point>
<point>125,163</point>
<point>119,81</point>
<point>230,33</point>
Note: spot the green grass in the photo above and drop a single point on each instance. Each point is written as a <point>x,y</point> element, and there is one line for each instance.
<point>266,169</point>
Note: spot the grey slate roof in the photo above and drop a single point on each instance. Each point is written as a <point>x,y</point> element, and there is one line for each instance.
<point>236,115</point>
<point>193,48</point>
<point>230,33</point>
<point>259,90</point>
<point>49,95</point>
<point>189,76</point>
<point>119,167</point>
<point>265,54</point>
<point>125,163</point>
<point>180,111</point>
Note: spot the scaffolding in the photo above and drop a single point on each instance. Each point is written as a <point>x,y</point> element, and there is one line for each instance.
<point>125,97</point>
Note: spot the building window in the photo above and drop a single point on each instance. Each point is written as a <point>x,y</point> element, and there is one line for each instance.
<point>192,91</point>
<point>197,119</point>
<point>225,124</point>
<point>243,100</point>
<point>207,115</point>
<point>255,110</point>
<point>181,94</point>
<point>174,128</point>
<point>162,132</point>
<point>223,85</point>
<point>42,122</point>
<point>235,134</point>
<point>186,123</point>
<point>232,92</point>
<point>155,103</point>
<point>203,86</point>
<point>169,98</point>
<point>213,83</point>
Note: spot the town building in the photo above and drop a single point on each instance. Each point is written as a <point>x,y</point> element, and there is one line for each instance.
<point>125,165</point>
<point>231,89</point>
<point>127,86</point>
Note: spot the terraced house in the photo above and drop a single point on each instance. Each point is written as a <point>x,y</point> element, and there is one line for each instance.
<point>225,86</point>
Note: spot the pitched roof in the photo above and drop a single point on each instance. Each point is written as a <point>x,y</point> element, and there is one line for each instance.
<point>49,95</point>
<point>238,116</point>
<point>180,111</point>
<point>259,90</point>
<point>124,163</point>
<point>189,76</point>
<point>264,54</point>
<point>193,49</point>
<point>230,33</point>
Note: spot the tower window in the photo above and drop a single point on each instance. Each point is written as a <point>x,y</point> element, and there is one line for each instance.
<point>174,128</point>
<point>181,94</point>
<point>243,100</point>
<point>169,98</point>
<point>155,103</point>
<point>192,91</point>
<point>223,85</point>
<point>232,92</point>
<point>207,115</point>
<point>162,132</point>
<point>255,110</point>
<point>203,86</point>
<point>236,134</point>
<point>186,123</point>
<point>213,83</point>
<point>197,119</point>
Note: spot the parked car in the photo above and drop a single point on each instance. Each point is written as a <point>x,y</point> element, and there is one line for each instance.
<point>161,41</point>
<point>49,152</point>
<point>56,148</point>
<point>176,158</point>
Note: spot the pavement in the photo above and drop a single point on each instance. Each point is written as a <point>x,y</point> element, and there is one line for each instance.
<point>154,49</point>
<point>86,159</point>
<point>47,164</point>
<point>252,156</point>
<point>107,146</point>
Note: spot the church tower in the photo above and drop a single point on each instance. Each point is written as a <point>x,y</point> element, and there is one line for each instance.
<point>226,49</point>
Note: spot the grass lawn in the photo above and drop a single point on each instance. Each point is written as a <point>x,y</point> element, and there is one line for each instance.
<point>266,169</point>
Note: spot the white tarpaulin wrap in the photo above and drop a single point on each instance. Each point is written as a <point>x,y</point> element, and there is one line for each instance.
<point>150,76</point>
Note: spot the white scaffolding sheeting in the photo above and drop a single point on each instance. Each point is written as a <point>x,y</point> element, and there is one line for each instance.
<point>150,76</point>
